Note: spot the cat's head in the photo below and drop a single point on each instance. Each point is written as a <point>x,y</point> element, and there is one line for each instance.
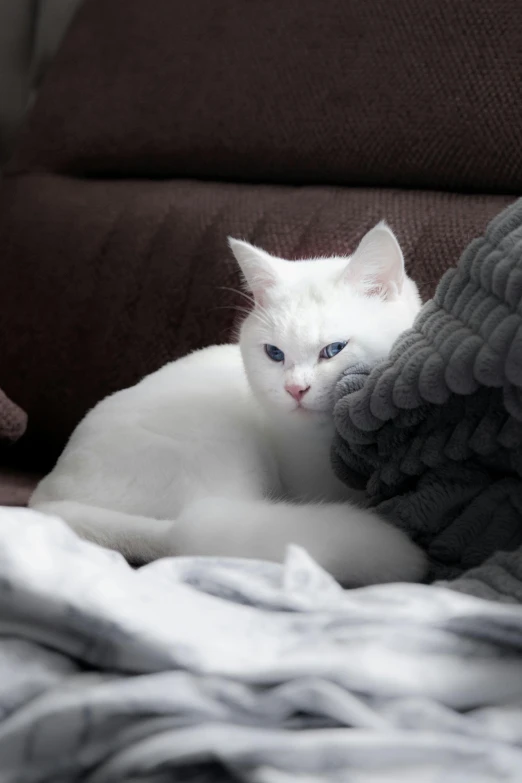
<point>313,319</point>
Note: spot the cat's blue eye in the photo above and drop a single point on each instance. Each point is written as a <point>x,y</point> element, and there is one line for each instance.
<point>273,352</point>
<point>329,351</point>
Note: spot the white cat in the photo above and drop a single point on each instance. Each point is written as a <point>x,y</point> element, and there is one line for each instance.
<point>226,452</point>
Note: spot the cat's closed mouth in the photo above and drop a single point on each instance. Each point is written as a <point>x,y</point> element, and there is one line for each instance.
<point>306,409</point>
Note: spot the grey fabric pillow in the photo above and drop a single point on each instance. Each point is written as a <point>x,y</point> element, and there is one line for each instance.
<point>435,432</point>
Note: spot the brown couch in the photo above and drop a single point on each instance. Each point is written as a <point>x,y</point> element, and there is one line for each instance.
<point>163,127</point>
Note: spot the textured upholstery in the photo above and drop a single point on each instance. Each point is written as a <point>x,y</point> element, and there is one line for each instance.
<point>414,93</point>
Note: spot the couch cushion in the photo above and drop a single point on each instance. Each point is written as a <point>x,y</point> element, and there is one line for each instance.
<point>412,93</point>
<point>105,281</point>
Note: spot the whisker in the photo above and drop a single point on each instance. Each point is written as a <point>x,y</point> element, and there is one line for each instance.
<point>239,292</point>
<point>237,308</point>
<point>257,308</point>
<point>262,318</point>
<point>258,311</point>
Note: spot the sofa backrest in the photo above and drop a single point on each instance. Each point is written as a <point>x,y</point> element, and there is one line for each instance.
<point>412,93</point>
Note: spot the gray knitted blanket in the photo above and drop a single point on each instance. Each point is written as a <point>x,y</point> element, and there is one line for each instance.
<point>435,432</point>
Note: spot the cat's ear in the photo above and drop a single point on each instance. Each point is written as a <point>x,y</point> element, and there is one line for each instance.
<point>258,267</point>
<point>377,266</point>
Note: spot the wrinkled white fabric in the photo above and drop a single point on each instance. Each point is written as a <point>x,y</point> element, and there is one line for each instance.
<point>274,673</point>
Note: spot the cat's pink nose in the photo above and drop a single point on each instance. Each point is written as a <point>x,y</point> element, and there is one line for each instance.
<point>297,392</point>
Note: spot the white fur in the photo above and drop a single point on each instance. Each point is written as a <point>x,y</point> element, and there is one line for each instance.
<point>211,456</point>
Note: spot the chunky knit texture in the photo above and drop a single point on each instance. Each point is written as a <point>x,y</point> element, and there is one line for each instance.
<point>435,432</point>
